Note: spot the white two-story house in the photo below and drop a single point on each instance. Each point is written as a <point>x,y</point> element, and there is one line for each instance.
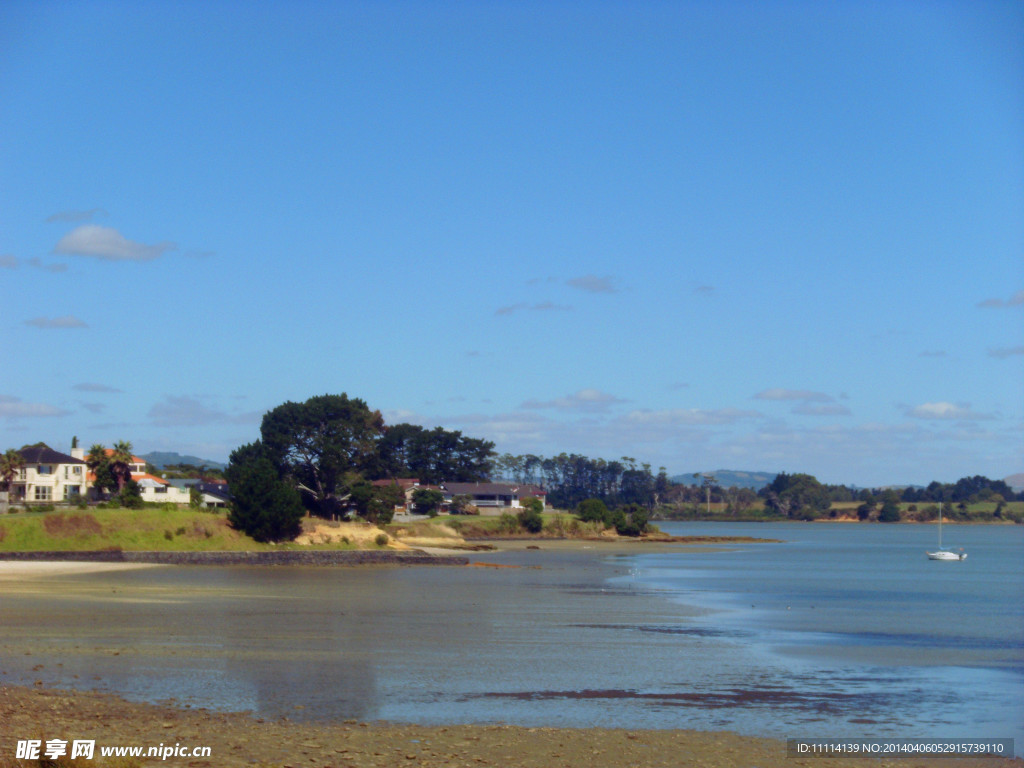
<point>48,476</point>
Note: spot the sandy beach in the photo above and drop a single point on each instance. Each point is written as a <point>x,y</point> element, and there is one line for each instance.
<point>12,570</point>
<point>241,740</point>
<point>126,656</point>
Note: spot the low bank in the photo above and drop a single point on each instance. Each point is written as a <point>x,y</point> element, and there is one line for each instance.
<point>284,557</point>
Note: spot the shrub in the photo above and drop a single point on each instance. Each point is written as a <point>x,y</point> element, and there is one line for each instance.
<point>593,511</point>
<point>533,504</point>
<point>507,523</point>
<point>168,535</point>
<point>382,540</point>
<point>531,520</point>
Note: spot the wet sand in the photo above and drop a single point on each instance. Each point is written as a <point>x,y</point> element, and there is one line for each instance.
<point>103,630</point>
<point>241,740</point>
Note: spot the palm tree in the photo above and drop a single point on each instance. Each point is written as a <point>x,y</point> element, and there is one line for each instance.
<point>11,463</point>
<point>120,463</point>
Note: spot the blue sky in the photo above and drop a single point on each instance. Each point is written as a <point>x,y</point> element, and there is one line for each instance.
<point>765,236</point>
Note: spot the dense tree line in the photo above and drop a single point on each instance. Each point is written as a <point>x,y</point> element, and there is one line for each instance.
<point>572,478</point>
<point>322,455</point>
<point>966,489</point>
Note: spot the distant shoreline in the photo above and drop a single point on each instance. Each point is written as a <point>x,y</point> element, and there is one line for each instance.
<point>284,557</point>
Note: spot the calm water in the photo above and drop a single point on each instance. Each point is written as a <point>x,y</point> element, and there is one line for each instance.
<point>856,621</point>
<point>840,631</point>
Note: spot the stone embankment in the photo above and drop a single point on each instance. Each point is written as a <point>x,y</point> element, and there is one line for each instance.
<point>288,557</point>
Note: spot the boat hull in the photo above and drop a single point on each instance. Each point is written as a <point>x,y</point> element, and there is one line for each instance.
<point>943,555</point>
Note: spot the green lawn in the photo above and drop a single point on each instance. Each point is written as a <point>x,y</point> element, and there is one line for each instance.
<point>146,529</point>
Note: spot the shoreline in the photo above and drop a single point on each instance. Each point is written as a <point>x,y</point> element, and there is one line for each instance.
<point>318,557</point>
<point>237,739</point>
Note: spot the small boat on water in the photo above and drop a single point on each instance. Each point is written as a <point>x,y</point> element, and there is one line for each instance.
<point>945,554</point>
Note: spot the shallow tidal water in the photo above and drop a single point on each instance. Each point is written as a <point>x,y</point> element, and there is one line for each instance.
<point>840,631</point>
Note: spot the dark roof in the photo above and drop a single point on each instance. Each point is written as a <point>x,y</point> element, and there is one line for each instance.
<point>220,490</point>
<point>484,489</point>
<point>43,454</point>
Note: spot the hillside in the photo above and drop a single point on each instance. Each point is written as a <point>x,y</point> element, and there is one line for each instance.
<point>729,478</point>
<point>161,459</point>
<point>1016,482</point>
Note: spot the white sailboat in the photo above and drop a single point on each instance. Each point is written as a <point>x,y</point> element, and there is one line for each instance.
<point>945,554</point>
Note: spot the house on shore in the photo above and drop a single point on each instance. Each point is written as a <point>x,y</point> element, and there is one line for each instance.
<point>151,487</point>
<point>408,486</point>
<point>211,495</point>
<point>493,498</point>
<point>48,476</point>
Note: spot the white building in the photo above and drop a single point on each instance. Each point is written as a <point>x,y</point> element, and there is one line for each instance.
<point>48,476</point>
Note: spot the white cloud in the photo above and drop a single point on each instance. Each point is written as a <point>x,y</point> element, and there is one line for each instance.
<point>67,321</point>
<point>585,399</point>
<point>36,262</point>
<point>544,306</point>
<point>689,417</point>
<point>185,411</point>
<point>76,216</point>
<point>1016,300</point>
<point>946,412</point>
<point>826,409</point>
<point>593,284</point>
<point>15,408</point>
<point>803,395</point>
<point>89,387</point>
<point>1004,352</point>
<point>108,244</point>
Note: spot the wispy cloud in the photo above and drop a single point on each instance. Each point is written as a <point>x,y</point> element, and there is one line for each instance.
<point>90,387</point>
<point>705,290</point>
<point>1016,300</point>
<point>1002,353</point>
<point>51,323</point>
<point>593,284</point>
<point>38,263</point>
<point>186,411</point>
<point>544,306</point>
<point>584,400</point>
<point>943,411</point>
<point>108,244</point>
<point>803,395</point>
<point>8,261</point>
<point>825,409</point>
<point>75,217</point>
<point>15,408</point>
<point>690,416</point>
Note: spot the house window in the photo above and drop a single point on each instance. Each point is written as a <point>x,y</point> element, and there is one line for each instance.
<point>160,489</point>
<point>43,493</point>
<point>44,469</point>
<point>72,491</point>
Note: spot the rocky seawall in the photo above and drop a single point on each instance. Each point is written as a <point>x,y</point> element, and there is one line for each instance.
<point>289,557</point>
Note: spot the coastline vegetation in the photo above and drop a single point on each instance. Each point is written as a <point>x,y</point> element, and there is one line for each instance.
<point>153,527</point>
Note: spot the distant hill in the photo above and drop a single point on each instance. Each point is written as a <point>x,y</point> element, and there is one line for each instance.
<point>161,459</point>
<point>730,478</point>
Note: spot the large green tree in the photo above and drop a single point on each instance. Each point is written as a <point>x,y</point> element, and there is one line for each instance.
<point>11,462</point>
<point>796,496</point>
<point>320,444</point>
<point>263,504</point>
<point>432,455</point>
